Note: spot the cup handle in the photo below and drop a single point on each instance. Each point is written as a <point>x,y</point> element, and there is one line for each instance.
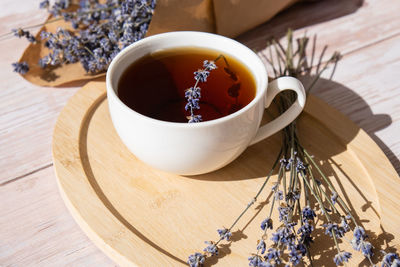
<point>275,87</point>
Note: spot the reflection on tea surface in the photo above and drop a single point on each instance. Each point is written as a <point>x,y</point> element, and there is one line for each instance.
<point>155,85</point>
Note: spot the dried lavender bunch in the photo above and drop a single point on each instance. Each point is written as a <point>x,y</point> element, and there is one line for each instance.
<point>302,172</point>
<point>101,31</point>
<point>299,175</point>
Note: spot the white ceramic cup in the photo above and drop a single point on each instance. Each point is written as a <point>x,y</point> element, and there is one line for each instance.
<point>197,148</point>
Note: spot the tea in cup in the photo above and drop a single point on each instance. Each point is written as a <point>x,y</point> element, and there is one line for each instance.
<point>146,85</point>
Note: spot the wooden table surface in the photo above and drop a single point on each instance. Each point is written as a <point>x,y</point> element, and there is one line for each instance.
<point>36,229</point>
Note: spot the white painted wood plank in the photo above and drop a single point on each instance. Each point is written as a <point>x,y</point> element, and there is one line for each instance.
<point>28,112</point>
<point>27,118</point>
<point>36,229</point>
<point>343,25</point>
<point>365,87</point>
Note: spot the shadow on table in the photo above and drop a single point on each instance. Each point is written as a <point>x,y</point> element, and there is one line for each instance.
<point>257,160</point>
<point>325,251</point>
<point>356,109</point>
<point>298,16</point>
<point>324,145</point>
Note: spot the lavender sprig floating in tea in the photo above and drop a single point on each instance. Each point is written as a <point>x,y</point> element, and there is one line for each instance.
<point>193,94</point>
<point>101,31</point>
<point>299,174</point>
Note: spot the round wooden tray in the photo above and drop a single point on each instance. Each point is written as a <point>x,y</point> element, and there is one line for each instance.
<point>141,216</point>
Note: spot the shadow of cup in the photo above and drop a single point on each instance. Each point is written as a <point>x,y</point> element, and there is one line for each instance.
<point>324,143</point>
<point>257,160</point>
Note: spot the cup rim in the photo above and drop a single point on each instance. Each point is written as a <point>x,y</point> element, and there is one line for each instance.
<point>259,95</point>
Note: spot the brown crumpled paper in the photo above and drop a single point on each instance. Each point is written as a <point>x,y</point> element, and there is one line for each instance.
<point>225,17</point>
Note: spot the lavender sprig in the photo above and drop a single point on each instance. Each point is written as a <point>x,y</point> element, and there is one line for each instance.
<point>212,246</point>
<point>193,94</point>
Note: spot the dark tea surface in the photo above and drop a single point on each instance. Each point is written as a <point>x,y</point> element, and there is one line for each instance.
<point>155,85</point>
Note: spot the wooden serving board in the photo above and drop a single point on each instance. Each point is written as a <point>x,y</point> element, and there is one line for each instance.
<point>143,217</point>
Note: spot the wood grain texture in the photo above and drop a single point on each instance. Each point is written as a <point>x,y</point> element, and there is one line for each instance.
<point>342,25</point>
<point>18,96</point>
<point>26,125</point>
<point>369,94</point>
<point>34,233</point>
<point>124,205</point>
<point>27,112</point>
<point>365,30</point>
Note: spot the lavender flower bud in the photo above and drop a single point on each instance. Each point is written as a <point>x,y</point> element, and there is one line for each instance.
<point>44,62</point>
<point>18,32</point>
<point>196,260</point>
<point>211,249</point>
<point>210,65</point>
<point>255,261</point>
<point>359,233</point>
<point>366,249</point>
<point>284,213</point>
<point>224,234</point>
<point>201,75</point>
<point>308,213</point>
<point>345,225</point>
<point>305,229</point>
<point>21,33</point>
<point>273,254</point>
<point>44,4</point>
<point>289,163</point>
<point>274,187</point>
<point>334,197</point>
<point>294,256</point>
<point>300,166</point>
<point>192,103</point>
<point>333,227</point>
<point>21,68</point>
<point>342,257</point>
<point>194,118</point>
<point>390,259</point>
<point>284,236</point>
<point>261,246</point>
<point>278,195</point>
<point>193,92</point>
<point>302,249</point>
<point>267,223</point>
